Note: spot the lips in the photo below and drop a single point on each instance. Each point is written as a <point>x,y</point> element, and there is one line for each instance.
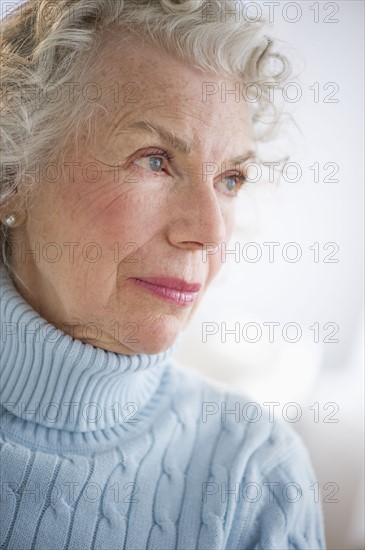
<point>173,283</point>
<point>174,290</point>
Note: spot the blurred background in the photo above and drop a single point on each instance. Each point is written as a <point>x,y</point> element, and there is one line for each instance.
<point>283,321</point>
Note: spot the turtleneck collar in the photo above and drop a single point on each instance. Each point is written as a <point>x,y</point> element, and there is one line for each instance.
<point>55,381</point>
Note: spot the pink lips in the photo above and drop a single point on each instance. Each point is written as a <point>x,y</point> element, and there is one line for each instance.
<point>174,290</point>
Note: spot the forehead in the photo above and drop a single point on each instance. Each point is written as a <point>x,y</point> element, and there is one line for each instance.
<point>138,79</point>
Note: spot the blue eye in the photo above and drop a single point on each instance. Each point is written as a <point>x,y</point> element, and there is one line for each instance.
<point>154,161</point>
<point>232,184</point>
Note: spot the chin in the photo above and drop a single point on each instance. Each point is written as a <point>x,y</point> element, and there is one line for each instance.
<point>154,340</point>
<point>152,347</point>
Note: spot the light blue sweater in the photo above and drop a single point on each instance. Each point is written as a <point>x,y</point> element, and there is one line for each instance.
<point>100,450</point>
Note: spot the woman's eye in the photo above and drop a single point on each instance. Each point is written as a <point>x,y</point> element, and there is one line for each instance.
<point>152,163</point>
<point>231,184</point>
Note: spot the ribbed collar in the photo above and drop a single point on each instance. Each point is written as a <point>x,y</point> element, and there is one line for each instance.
<point>50,379</point>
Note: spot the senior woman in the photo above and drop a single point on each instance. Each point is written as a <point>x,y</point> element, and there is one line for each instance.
<point>121,162</point>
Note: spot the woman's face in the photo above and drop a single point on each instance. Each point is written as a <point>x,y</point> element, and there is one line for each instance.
<point>102,230</point>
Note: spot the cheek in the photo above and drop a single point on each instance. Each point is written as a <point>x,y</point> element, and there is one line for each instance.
<point>228,214</point>
<point>128,218</point>
<point>107,210</point>
<point>216,262</point>
<point>229,230</point>
<point>85,219</point>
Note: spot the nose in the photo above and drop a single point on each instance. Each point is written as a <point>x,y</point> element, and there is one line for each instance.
<point>196,217</point>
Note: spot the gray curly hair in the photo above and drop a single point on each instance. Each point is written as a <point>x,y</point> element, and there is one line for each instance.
<point>47,45</point>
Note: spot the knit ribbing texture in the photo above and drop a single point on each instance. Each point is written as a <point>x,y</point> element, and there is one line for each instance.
<point>105,451</point>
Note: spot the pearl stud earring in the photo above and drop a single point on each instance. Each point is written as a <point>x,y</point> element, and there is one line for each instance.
<point>10,220</point>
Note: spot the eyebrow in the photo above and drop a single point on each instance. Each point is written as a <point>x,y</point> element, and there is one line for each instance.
<point>170,138</point>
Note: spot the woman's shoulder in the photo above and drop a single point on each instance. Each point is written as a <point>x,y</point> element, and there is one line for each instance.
<point>237,419</point>
<point>256,461</point>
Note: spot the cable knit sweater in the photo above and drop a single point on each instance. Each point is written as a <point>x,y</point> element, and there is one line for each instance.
<point>100,450</point>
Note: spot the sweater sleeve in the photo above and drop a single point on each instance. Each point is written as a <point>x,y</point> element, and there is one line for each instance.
<point>281,508</point>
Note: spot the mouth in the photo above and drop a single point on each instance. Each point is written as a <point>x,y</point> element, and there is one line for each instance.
<point>173,290</point>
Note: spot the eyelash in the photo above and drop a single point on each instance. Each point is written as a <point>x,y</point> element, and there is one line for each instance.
<point>240,176</point>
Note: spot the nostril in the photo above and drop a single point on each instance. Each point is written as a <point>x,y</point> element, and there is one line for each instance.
<point>193,244</point>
